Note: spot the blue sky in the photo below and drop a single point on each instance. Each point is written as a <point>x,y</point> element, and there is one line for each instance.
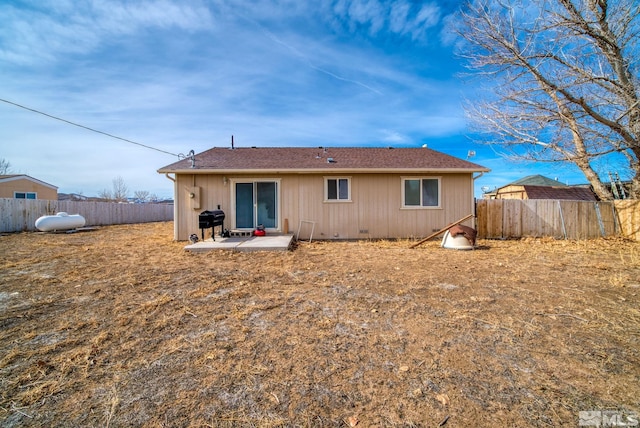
<point>180,75</point>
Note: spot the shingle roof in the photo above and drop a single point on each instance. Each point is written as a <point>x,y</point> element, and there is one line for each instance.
<point>321,159</point>
<point>536,180</point>
<point>11,177</point>
<point>565,193</point>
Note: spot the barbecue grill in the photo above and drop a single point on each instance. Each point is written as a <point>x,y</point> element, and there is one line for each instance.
<point>211,219</point>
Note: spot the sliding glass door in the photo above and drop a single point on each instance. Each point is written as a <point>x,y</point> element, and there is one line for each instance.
<point>256,204</point>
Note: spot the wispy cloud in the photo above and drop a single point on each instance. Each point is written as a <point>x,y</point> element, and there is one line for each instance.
<point>125,18</point>
<point>400,17</point>
<point>50,29</point>
<point>307,61</point>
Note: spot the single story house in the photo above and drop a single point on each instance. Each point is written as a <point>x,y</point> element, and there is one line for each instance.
<point>334,193</point>
<point>541,187</point>
<point>21,186</point>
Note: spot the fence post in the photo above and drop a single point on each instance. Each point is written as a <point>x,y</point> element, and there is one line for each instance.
<point>599,216</point>
<point>564,228</point>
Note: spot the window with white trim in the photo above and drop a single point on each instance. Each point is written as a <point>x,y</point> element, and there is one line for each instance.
<point>337,189</point>
<point>421,192</point>
<point>24,195</point>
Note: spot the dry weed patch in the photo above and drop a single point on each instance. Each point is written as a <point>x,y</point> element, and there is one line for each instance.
<point>121,327</point>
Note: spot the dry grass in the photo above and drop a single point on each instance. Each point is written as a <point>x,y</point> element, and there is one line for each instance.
<point>122,327</point>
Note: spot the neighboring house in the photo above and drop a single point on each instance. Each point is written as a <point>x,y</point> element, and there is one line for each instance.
<point>339,193</point>
<point>20,186</point>
<point>540,187</point>
<point>72,197</point>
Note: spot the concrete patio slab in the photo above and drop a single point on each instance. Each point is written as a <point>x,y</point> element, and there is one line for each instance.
<point>245,244</point>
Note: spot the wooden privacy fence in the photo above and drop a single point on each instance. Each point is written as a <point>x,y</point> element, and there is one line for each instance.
<point>18,215</point>
<point>516,218</point>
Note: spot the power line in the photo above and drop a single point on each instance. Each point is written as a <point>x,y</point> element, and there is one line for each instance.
<point>88,128</point>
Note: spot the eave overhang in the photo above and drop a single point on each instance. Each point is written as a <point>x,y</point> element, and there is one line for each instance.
<point>191,171</point>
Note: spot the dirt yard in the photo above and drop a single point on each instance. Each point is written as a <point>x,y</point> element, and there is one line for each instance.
<point>121,327</point>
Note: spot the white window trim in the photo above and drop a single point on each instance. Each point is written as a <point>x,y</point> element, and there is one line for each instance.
<point>326,189</point>
<point>421,207</point>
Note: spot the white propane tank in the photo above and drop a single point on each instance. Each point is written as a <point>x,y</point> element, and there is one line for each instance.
<point>60,221</point>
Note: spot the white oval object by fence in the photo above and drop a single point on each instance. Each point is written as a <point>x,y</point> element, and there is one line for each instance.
<point>455,242</point>
<point>60,221</point>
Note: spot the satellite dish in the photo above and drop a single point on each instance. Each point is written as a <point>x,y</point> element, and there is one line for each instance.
<point>424,146</point>
<point>485,189</point>
<point>471,153</point>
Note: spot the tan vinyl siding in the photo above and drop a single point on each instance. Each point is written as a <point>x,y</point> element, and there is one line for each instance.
<point>374,211</point>
<point>213,192</point>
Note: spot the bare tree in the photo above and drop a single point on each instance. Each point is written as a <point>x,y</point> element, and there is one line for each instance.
<point>5,167</point>
<point>141,195</point>
<point>120,190</point>
<point>563,77</point>
<point>105,195</point>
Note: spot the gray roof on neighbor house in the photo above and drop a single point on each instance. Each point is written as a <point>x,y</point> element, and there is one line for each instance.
<point>536,180</point>
<point>320,159</point>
